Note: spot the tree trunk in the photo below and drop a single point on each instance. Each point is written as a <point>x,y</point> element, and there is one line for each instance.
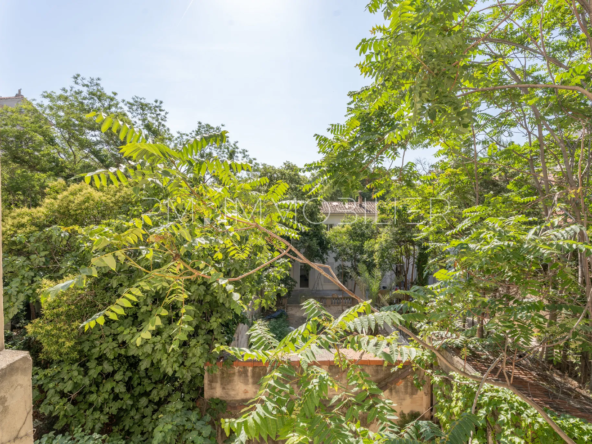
<point>564,365</point>
<point>584,367</point>
<point>481,328</point>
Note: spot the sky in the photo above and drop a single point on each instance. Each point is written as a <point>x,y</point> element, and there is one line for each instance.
<point>274,72</point>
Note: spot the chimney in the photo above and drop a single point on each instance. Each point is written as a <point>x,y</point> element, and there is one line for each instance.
<point>360,199</point>
<point>18,94</point>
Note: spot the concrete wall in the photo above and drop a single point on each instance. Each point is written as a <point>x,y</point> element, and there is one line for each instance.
<point>238,384</point>
<point>16,397</point>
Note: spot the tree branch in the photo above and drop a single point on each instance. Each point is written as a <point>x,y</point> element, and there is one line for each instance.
<point>588,94</point>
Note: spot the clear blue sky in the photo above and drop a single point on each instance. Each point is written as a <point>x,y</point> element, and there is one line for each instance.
<point>275,72</point>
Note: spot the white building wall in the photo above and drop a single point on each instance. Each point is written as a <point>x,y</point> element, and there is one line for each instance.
<point>321,285</point>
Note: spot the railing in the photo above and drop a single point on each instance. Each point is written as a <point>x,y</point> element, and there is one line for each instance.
<point>334,300</point>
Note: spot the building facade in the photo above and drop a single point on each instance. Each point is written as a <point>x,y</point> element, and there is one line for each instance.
<point>12,101</point>
<point>310,283</point>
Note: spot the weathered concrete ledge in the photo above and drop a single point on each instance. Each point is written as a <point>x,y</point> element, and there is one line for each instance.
<point>16,397</point>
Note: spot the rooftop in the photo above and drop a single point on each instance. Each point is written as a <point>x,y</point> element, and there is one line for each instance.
<point>11,101</point>
<point>349,207</point>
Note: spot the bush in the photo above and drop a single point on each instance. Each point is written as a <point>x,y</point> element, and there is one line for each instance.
<point>279,327</point>
<point>35,248</point>
<point>79,437</point>
<point>179,425</point>
<point>58,330</point>
<point>78,205</point>
<point>102,380</point>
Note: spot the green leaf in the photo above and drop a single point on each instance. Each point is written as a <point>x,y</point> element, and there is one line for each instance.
<point>110,261</point>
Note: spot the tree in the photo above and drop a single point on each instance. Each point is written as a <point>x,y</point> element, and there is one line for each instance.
<point>395,248</point>
<point>30,155</point>
<point>82,143</point>
<point>149,358</point>
<point>350,239</point>
<point>45,141</point>
<point>313,241</point>
<point>503,91</point>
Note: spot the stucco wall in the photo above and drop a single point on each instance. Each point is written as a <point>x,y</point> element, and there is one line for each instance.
<point>239,384</point>
<point>16,398</point>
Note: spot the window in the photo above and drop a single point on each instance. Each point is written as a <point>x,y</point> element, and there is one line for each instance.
<point>304,276</point>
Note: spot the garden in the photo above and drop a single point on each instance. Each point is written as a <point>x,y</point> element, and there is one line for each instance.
<point>138,262</point>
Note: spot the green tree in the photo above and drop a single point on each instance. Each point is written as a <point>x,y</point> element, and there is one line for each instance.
<point>351,241</point>
<point>158,275</point>
<point>35,248</point>
<point>313,241</point>
<point>503,91</point>
<point>395,248</point>
<point>44,141</point>
<point>30,155</point>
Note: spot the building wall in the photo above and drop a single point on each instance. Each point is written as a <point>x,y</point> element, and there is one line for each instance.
<point>10,101</point>
<point>319,285</point>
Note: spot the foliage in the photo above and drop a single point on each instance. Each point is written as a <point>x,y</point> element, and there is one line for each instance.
<point>395,248</point>
<point>307,403</point>
<point>173,282</point>
<point>313,241</point>
<point>103,378</point>
<point>82,143</point>
<point>501,415</point>
<point>279,327</point>
<point>227,150</point>
<point>35,249</point>
<point>370,282</point>
<point>50,140</point>
<point>78,437</point>
<point>502,90</point>
<point>58,330</point>
<point>369,249</point>
<point>175,425</point>
<point>30,155</point>
<point>350,241</point>
<point>181,425</point>
<point>200,245</point>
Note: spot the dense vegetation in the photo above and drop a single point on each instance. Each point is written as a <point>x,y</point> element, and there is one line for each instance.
<point>125,286</point>
<point>503,91</point>
<point>120,379</point>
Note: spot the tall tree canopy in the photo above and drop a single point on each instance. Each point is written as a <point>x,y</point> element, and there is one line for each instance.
<point>503,90</point>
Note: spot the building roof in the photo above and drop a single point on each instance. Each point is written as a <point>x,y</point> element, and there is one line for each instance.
<point>541,383</point>
<point>349,207</point>
<point>12,101</point>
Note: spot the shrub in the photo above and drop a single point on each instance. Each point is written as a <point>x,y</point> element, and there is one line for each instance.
<point>102,380</point>
<point>179,425</point>
<point>78,437</point>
